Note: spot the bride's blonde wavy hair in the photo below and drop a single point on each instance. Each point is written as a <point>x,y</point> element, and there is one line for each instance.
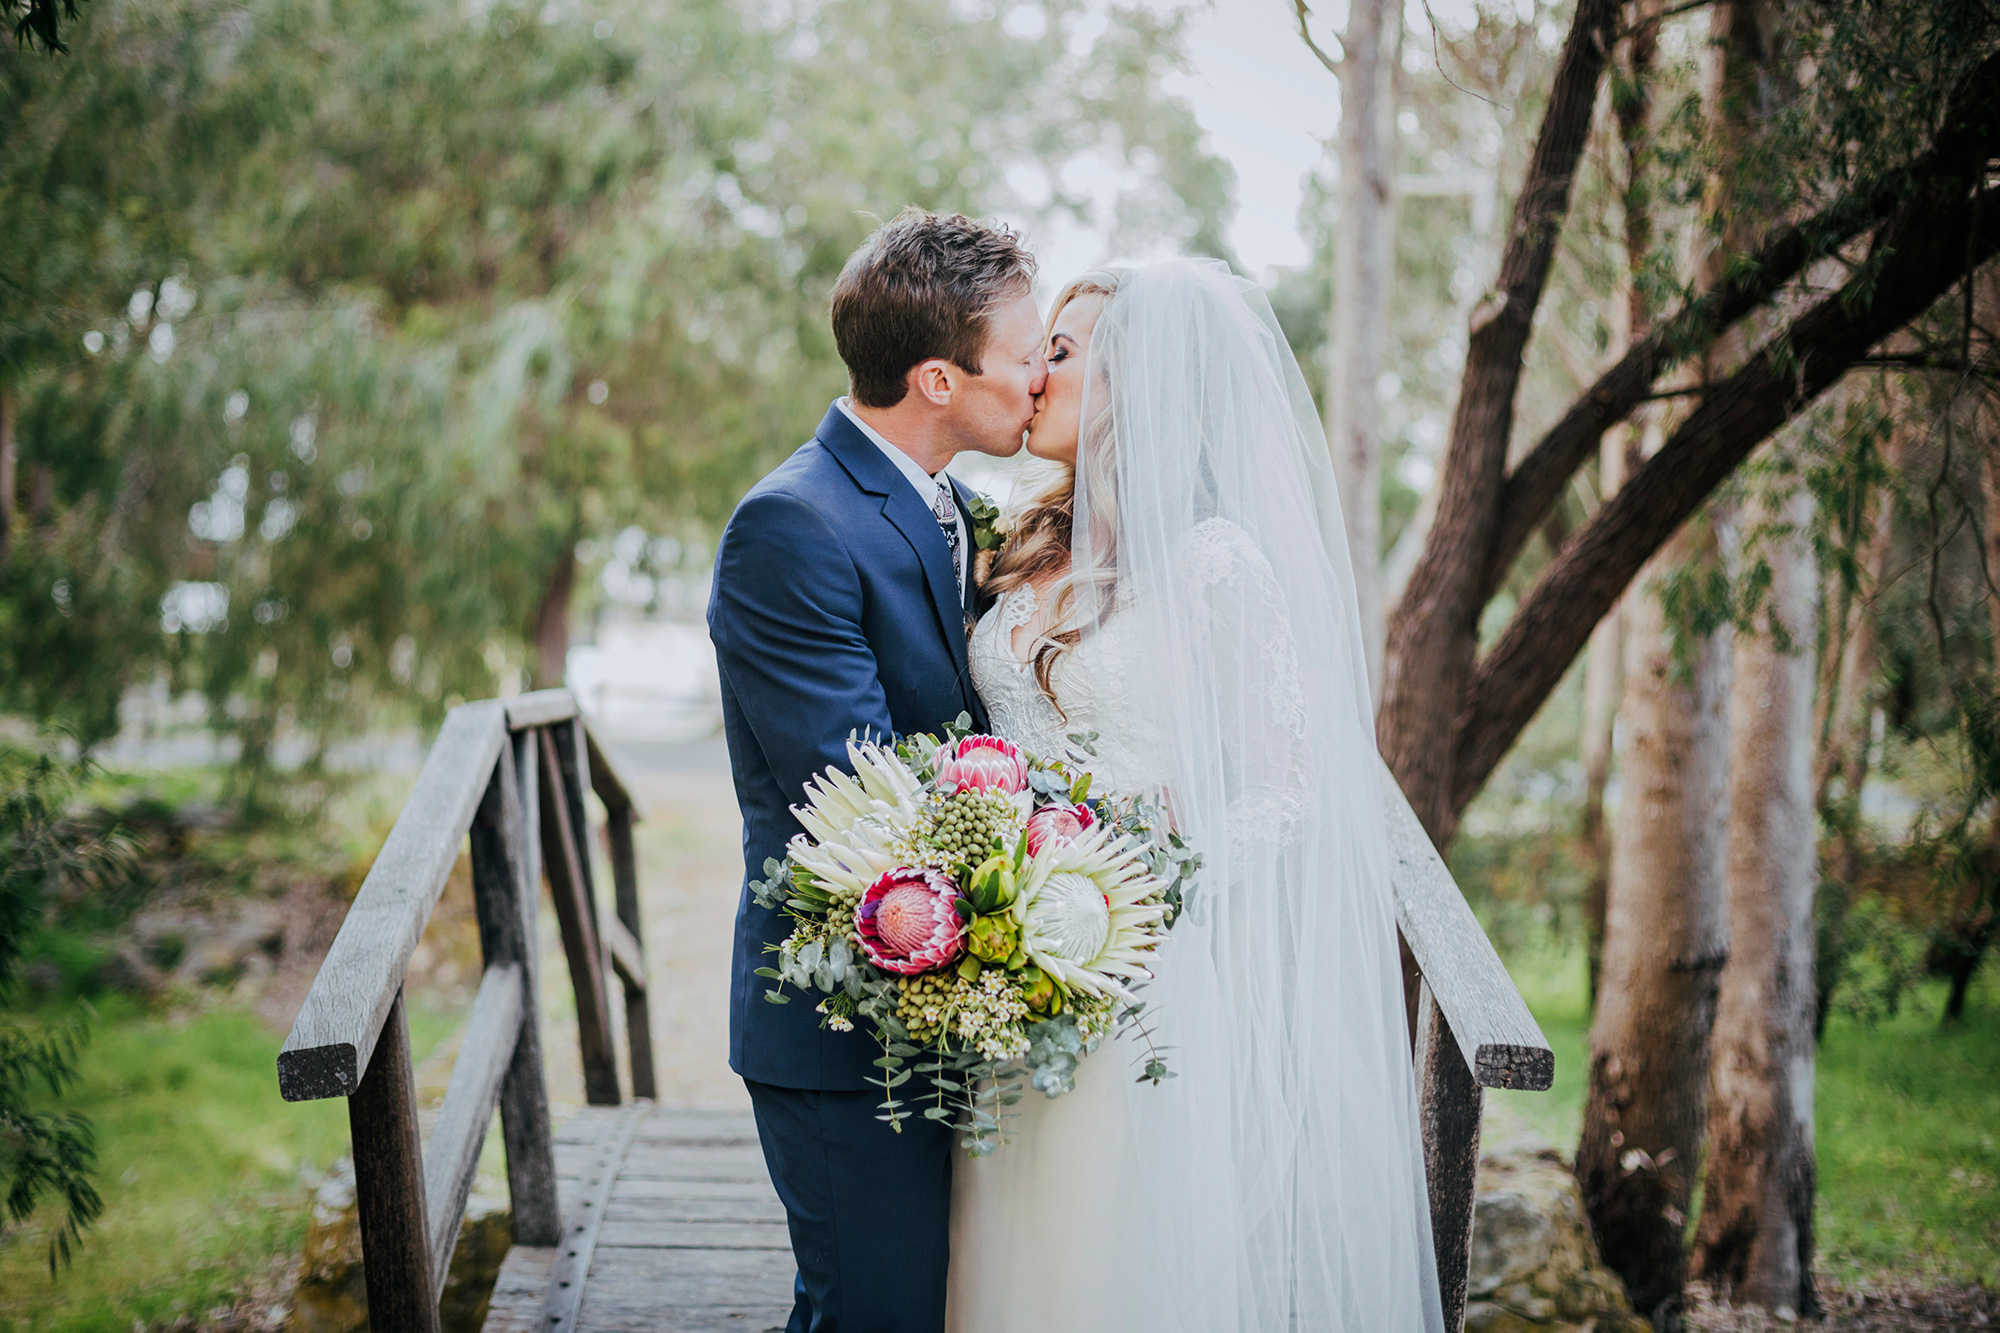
<point>1040,538</point>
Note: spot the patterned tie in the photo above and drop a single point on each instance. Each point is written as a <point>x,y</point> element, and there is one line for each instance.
<point>946,513</point>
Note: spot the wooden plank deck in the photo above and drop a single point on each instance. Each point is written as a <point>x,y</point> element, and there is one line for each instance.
<point>672,1217</point>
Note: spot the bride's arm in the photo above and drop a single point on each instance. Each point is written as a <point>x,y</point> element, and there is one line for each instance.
<point>1247,657</point>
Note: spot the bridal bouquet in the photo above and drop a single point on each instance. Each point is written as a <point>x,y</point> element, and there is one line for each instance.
<point>980,910</point>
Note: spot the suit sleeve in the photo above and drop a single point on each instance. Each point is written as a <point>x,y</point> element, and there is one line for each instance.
<point>787,630</point>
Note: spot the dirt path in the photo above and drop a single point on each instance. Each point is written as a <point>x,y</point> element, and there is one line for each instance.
<point>690,870</point>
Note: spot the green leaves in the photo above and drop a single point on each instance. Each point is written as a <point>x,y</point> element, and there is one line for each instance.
<point>48,1153</point>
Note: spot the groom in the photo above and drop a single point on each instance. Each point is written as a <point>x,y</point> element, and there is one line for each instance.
<point>842,587</point>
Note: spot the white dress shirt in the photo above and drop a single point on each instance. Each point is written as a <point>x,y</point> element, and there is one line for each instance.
<point>924,484</point>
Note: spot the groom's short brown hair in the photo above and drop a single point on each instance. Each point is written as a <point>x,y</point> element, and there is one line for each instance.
<point>922,286</point>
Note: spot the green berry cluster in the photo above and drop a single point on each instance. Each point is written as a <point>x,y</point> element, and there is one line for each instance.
<point>925,1003</point>
<point>970,823</point>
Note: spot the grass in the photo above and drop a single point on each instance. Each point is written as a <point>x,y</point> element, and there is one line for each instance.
<point>1909,1140</point>
<point>205,1172</point>
<point>1908,1122</point>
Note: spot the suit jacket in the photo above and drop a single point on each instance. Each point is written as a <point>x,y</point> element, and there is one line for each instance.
<point>833,611</point>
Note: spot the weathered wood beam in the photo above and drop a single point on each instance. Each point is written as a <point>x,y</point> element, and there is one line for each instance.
<point>506,891</point>
<point>563,1297</point>
<point>1449,1104</point>
<point>605,780</point>
<point>576,913</point>
<point>335,1033</point>
<point>625,883</point>
<point>389,1185</point>
<point>1503,1045</point>
<point>451,1158</point>
<point>539,708</point>
<point>626,955</point>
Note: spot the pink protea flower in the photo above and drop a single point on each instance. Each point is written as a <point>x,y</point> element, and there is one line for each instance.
<point>1054,823</point>
<point>908,923</point>
<point>984,764</point>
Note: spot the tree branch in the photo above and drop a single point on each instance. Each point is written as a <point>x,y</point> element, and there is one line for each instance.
<point>1433,635</point>
<point>1923,251</point>
<point>1672,11</point>
<point>1537,481</point>
<point>1305,35</point>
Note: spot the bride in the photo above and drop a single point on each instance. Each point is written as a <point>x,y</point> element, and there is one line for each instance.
<point>1183,590</point>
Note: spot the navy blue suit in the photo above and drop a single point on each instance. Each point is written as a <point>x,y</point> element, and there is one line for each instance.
<point>834,610</point>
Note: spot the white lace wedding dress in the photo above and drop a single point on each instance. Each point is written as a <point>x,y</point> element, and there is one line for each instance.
<point>1276,1185</point>
<point>1046,1207</point>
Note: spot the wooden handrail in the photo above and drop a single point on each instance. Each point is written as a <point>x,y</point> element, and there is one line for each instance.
<point>335,1033</point>
<point>1472,1031</point>
<point>1503,1045</point>
<point>512,775</point>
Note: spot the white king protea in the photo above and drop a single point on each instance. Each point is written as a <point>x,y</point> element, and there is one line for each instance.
<point>853,823</point>
<point>1090,912</point>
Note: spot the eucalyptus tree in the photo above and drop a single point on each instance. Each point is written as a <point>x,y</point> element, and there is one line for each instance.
<point>1364,257</point>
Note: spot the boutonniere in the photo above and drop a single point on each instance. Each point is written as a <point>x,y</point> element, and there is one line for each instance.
<point>989,533</point>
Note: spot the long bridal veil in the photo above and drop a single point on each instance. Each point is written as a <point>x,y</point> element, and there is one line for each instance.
<point>1285,1190</point>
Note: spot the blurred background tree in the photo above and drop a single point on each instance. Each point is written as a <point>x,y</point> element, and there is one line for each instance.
<point>327,339</point>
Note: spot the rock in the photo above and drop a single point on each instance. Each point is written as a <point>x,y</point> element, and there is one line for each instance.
<point>1510,1240</point>
<point>483,1241</point>
<point>332,1295</point>
<point>1534,1265</point>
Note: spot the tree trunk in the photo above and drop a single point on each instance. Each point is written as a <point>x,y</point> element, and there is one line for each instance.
<point>1631,104</point>
<point>1666,936</point>
<point>552,620</point>
<point>1986,291</point>
<point>1966,949</point>
<point>1363,268</point>
<point>1602,677</point>
<point>7,464</point>
<point>1433,635</point>
<point>1755,1240</point>
<point>1974,929</point>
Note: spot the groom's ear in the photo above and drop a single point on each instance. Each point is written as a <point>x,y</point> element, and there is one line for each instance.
<point>934,380</point>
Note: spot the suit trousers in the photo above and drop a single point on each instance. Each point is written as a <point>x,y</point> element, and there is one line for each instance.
<point>869,1209</point>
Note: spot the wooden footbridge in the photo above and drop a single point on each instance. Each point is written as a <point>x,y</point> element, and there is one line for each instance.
<point>636,1216</point>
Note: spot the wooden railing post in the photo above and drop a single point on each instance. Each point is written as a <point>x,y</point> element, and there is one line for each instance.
<point>505,894</point>
<point>389,1186</point>
<point>625,881</point>
<point>567,865</point>
<point>1448,1107</point>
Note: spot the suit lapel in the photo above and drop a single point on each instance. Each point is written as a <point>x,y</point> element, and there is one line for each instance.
<point>963,495</point>
<point>971,605</point>
<point>910,516</point>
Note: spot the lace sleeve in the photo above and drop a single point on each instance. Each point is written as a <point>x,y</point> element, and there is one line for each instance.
<point>1244,643</point>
